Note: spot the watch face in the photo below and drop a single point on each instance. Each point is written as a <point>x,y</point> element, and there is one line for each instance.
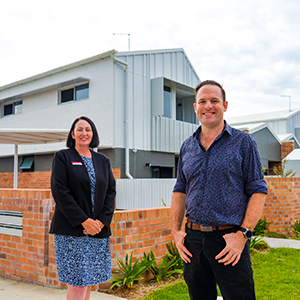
<point>248,234</point>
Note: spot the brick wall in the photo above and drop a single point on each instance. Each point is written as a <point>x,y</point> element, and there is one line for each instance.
<point>6,180</point>
<point>26,258</point>
<point>31,257</point>
<point>142,230</point>
<point>36,180</point>
<point>282,206</point>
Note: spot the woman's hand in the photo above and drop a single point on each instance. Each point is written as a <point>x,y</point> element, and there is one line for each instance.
<point>100,224</point>
<point>91,226</point>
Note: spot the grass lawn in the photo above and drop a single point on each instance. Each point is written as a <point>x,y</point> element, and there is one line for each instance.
<point>276,275</point>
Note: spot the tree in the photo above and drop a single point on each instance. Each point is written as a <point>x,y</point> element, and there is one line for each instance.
<point>281,172</point>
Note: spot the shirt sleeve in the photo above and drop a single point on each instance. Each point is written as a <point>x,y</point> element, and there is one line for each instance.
<point>253,173</point>
<point>180,185</point>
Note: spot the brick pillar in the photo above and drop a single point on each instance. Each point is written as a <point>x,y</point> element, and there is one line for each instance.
<point>116,173</point>
<point>287,148</point>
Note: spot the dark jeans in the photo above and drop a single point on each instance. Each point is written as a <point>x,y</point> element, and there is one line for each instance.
<point>204,272</point>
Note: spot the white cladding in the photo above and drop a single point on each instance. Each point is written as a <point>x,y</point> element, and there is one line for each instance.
<point>42,109</point>
<point>118,96</point>
<point>143,67</point>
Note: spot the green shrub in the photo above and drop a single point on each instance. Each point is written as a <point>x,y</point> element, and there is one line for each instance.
<point>296,228</point>
<point>261,227</point>
<point>173,251</point>
<point>277,235</point>
<point>164,269</point>
<point>129,272</point>
<point>257,243</point>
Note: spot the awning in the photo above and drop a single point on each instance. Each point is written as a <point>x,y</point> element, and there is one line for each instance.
<point>30,136</point>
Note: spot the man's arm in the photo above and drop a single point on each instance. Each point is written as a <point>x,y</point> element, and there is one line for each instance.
<point>235,242</point>
<point>177,215</point>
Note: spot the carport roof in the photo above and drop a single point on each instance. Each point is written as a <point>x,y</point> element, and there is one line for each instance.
<point>32,136</point>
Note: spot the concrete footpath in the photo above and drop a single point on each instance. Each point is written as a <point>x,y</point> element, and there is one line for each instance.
<point>15,290</point>
<point>280,243</point>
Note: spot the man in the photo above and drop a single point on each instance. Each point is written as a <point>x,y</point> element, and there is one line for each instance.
<point>221,188</point>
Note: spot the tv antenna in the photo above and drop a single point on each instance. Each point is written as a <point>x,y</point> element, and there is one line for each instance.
<point>290,104</point>
<point>128,34</point>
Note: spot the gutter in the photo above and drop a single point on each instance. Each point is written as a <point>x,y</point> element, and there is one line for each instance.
<point>127,173</point>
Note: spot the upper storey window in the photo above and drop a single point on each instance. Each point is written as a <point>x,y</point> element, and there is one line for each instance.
<point>76,93</point>
<point>167,102</point>
<point>13,108</point>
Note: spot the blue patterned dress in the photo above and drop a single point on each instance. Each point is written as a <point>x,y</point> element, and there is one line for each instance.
<point>83,261</point>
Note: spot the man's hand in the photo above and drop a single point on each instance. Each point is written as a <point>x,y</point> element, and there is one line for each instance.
<point>91,226</point>
<point>177,214</point>
<point>231,254</point>
<point>183,251</point>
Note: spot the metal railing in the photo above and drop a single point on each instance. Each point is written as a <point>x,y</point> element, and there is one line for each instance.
<point>169,134</point>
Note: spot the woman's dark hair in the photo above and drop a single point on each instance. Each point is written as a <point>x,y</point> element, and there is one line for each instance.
<point>95,140</point>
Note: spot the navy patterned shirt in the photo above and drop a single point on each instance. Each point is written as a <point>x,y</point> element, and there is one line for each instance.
<point>219,182</point>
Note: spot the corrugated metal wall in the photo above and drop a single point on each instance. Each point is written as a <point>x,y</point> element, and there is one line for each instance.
<point>144,193</point>
<point>144,66</point>
<point>168,134</point>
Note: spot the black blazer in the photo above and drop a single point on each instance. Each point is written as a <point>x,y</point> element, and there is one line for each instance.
<point>71,190</point>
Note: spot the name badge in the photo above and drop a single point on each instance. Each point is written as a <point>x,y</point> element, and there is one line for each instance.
<point>76,163</point>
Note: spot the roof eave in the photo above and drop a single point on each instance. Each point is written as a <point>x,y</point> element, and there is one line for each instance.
<point>59,69</point>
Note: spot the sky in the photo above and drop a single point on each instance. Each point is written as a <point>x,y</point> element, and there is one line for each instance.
<point>251,47</point>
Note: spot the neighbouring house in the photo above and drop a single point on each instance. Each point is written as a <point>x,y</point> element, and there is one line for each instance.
<point>276,134</point>
<point>140,101</point>
<point>293,162</point>
<point>142,105</point>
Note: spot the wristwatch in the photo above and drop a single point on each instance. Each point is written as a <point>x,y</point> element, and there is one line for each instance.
<point>247,233</point>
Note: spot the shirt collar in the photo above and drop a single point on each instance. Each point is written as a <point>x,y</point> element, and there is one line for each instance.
<point>226,128</point>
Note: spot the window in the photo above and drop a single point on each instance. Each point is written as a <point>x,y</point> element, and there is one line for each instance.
<point>27,164</point>
<point>13,108</point>
<point>167,102</point>
<point>162,172</point>
<point>8,109</point>
<point>76,93</point>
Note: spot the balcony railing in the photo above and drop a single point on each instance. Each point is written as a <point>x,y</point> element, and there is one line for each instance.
<point>168,134</point>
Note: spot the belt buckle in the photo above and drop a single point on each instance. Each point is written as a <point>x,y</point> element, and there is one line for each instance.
<point>206,228</point>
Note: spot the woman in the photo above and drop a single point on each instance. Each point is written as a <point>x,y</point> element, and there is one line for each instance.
<point>83,188</point>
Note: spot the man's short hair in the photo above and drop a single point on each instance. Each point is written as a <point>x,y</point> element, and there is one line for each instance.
<point>211,82</point>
